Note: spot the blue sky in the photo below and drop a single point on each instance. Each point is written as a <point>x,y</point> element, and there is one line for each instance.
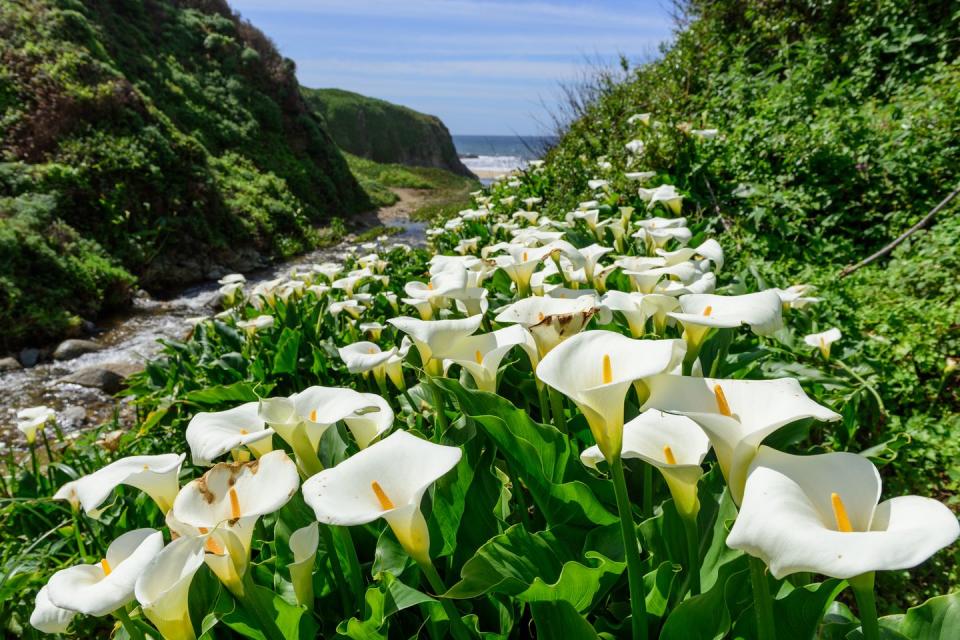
<point>483,66</point>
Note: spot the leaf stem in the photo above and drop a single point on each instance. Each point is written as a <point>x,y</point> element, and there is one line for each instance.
<point>693,553</point>
<point>762,602</point>
<point>132,630</point>
<point>261,610</point>
<point>342,585</point>
<point>638,602</point>
<point>457,629</point>
<point>556,410</point>
<point>867,604</point>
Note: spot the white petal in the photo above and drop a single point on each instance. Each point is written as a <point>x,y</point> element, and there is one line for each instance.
<point>259,487</point>
<point>211,435</point>
<point>157,476</point>
<point>163,587</point>
<point>367,425</point>
<point>48,618</point>
<point>402,464</point>
<point>85,588</point>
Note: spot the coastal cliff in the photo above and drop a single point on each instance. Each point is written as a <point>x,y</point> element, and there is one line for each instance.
<point>384,132</point>
<point>148,143</point>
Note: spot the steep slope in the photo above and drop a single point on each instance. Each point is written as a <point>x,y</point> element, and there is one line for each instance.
<point>384,132</point>
<point>150,139</point>
<point>838,128</point>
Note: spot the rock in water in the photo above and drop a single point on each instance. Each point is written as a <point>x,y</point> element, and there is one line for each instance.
<point>9,364</point>
<point>108,377</point>
<point>70,349</point>
<point>29,357</point>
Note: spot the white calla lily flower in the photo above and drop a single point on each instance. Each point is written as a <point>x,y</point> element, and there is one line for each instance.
<point>46,617</point>
<point>481,355</point>
<point>822,514</point>
<point>163,588</point>
<point>371,422</point>
<point>823,340</point>
<point>303,544</point>
<point>666,194</point>
<point>631,306</point>
<point>550,320</point>
<point>157,476</point>
<point>33,419</point>
<point>595,369</point>
<point>211,435</point>
<point>674,444</point>
<point>735,414</point>
<point>364,357</point>
<point>436,336</point>
<point>102,588</point>
<point>386,480</point>
<point>236,495</point>
<point>702,312</point>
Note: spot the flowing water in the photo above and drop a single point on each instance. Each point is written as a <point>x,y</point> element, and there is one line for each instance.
<point>132,338</point>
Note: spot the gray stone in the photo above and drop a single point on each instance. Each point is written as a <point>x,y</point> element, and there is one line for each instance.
<point>29,357</point>
<point>70,349</point>
<point>108,377</point>
<point>9,364</point>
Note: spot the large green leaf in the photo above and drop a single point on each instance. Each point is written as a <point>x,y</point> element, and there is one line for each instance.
<point>579,584</point>
<point>544,458</point>
<point>936,619</point>
<point>560,620</point>
<point>288,350</point>
<point>706,616</point>
<point>237,392</point>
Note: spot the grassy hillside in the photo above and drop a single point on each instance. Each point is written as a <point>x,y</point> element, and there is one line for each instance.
<point>147,138</point>
<point>839,128</point>
<point>384,132</point>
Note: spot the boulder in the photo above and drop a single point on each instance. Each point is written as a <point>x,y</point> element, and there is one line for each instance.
<point>108,378</point>
<point>9,364</point>
<point>29,357</point>
<point>70,349</point>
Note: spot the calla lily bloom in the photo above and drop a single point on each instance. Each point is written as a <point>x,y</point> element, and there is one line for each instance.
<point>303,545</point>
<point>821,514</point>
<point>164,587</point>
<point>371,422</point>
<point>481,354</point>
<point>595,369</point>
<point>631,306</point>
<point>591,256</point>
<point>703,312</point>
<point>823,340</point>
<point>210,435</point>
<point>31,420</point>
<point>49,618</point>
<point>364,357</point>
<point>436,336</point>
<point>550,320</point>
<point>236,495</point>
<point>303,418</point>
<point>797,296</point>
<point>157,476</point>
<point>386,480</point>
<point>102,588</point>
<point>735,414</point>
<point>666,194</point>
<point>256,324</point>
<point>674,444</point>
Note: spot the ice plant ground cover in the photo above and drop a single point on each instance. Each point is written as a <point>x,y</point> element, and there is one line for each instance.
<point>542,426</point>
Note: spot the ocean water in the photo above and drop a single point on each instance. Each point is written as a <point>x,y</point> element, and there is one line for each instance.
<point>500,154</point>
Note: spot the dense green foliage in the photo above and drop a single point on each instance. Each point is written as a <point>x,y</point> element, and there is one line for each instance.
<point>385,132</point>
<point>839,127</point>
<point>447,189</point>
<point>154,138</point>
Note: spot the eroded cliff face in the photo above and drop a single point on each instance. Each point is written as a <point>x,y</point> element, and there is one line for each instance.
<point>385,132</point>
<point>147,142</point>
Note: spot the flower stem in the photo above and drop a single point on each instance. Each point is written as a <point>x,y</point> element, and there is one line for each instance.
<point>867,604</point>
<point>132,630</point>
<point>355,577</point>
<point>638,601</point>
<point>81,549</point>
<point>457,629</point>
<point>260,609</point>
<point>693,553</point>
<point>544,401</point>
<point>342,586</point>
<point>556,409</point>
<point>867,385</point>
<point>647,490</point>
<point>762,602</point>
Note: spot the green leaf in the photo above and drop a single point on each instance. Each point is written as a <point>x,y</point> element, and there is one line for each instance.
<point>544,458</point>
<point>936,619</point>
<point>288,350</point>
<point>579,584</point>
<point>560,620</point>
<point>236,392</point>
<point>706,617</point>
